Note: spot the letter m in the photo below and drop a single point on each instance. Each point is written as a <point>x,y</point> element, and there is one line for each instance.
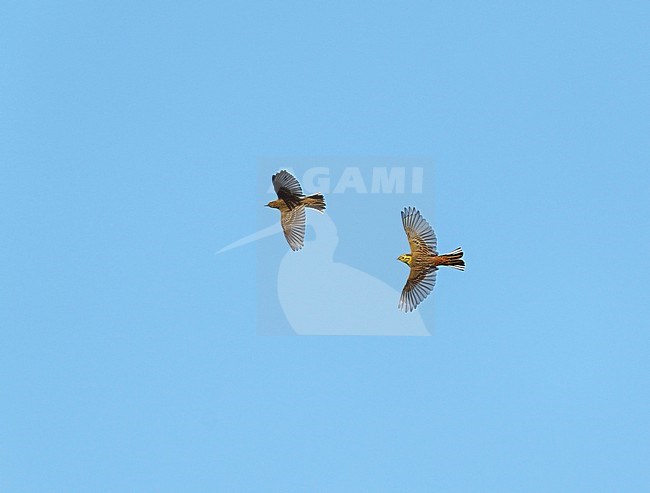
<point>385,181</point>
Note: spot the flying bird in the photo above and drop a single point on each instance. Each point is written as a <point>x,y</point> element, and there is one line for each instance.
<point>423,259</point>
<point>292,203</point>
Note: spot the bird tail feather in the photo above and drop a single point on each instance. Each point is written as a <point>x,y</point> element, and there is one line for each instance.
<point>454,259</point>
<point>316,201</point>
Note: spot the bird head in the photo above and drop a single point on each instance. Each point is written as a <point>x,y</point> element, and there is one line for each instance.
<point>406,258</point>
<point>272,204</point>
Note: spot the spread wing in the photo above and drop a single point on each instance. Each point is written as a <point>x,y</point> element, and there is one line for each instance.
<point>293,225</point>
<point>419,233</point>
<point>418,286</point>
<point>287,188</point>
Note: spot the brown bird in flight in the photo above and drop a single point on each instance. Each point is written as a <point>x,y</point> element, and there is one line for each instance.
<point>423,259</point>
<point>292,203</point>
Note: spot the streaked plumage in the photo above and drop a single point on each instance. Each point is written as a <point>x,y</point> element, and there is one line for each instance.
<point>292,203</point>
<point>423,259</point>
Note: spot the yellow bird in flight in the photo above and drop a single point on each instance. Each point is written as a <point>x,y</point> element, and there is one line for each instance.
<point>423,259</point>
<point>292,203</point>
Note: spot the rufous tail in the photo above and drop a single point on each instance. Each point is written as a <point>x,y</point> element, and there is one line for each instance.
<point>454,259</point>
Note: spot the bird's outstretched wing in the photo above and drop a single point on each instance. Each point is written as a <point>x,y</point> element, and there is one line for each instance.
<point>419,233</point>
<point>418,286</point>
<point>293,225</point>
<point>287,188</point>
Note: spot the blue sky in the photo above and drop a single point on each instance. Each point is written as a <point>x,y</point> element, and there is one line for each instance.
<point>130,136</point>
